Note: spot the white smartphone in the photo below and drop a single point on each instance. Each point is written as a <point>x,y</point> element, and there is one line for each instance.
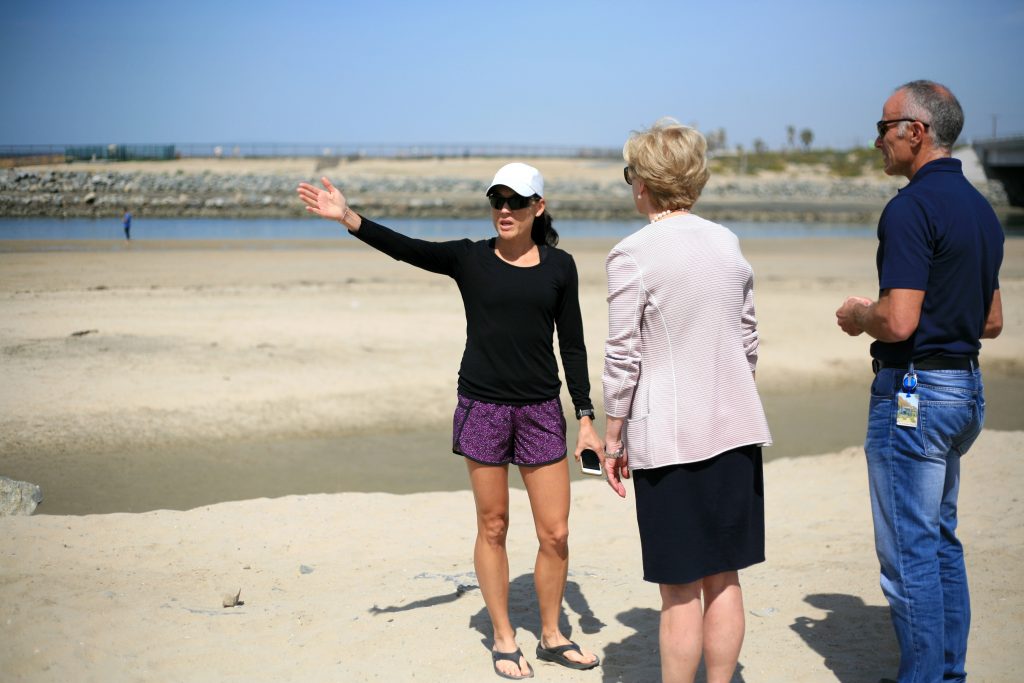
<point>590,463</point>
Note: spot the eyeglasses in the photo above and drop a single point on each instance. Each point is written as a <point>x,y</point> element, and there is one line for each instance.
<point>625,174</point>
<point>883,126</point>
<point>515,202</point>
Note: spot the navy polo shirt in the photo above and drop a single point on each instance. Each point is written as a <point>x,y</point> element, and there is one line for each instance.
<point>940,235</point>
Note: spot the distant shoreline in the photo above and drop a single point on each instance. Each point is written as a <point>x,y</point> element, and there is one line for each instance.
<point>89,234</point>
<point>422,188</point>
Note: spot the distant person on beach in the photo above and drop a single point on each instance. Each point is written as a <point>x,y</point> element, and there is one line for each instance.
<point>940,246</point>
<point>683,413</point>
<point>518,289</point>
<point>126,221</point>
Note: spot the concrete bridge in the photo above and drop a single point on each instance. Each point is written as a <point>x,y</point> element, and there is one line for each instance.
<point>1003,160</point>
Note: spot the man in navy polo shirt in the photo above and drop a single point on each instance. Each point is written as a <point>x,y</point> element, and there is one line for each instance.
<point>940,246</point>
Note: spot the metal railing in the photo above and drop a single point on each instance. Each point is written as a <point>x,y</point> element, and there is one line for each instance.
<point>227,150</point>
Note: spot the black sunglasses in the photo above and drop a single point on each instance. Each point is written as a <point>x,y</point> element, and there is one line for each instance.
<point>883,126</point>
<point>515,202</point>
<point>625,174</point>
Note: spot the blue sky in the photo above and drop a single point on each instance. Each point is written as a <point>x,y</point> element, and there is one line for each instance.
<point>559,73</point>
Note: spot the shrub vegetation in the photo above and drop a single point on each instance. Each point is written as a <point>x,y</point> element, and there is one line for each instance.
<point>847,163</point>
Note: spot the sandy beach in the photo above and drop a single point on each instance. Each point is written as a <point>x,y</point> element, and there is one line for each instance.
<point>206,417</point>
<point>379,587</point>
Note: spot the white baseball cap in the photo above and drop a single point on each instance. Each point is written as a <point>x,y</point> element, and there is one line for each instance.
<point>522,179</point>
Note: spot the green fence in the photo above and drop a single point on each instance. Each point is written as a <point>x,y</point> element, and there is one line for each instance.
<point>120,152</point>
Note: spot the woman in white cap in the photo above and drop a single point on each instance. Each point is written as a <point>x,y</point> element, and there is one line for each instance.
<point>518,289</point>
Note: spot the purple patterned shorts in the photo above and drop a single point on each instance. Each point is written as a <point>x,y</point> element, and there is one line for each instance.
<point>498,434</point>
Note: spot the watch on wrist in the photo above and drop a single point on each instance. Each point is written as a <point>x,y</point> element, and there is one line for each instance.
<point>615,455</point>
<point>584,412</point>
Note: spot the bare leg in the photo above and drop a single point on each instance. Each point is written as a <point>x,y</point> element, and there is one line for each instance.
<point>548,488</point>
<point>681,635</point>
<point>490,492</point>
<point>724,625</point>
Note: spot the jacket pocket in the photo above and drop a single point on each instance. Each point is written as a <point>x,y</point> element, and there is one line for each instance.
<point>641,405</point>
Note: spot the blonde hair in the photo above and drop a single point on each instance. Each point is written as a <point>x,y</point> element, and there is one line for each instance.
<point>671,159</point>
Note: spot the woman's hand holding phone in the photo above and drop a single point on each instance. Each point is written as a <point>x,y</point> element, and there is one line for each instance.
<point>590,463</point>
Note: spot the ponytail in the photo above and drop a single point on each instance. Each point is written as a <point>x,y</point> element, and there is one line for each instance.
<point>543,231</point>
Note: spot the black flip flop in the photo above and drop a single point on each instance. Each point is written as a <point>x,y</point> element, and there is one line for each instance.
<point>510,657</point>
<point>556,655</point>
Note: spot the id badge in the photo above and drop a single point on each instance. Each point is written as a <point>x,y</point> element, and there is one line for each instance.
<point>906,410</point>
<point>906,401</point>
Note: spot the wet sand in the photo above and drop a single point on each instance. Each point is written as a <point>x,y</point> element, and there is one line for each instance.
<point>216,371</point>
<point>182,476</point>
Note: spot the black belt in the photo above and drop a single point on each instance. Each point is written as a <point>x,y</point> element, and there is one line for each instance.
<point>931,363</point>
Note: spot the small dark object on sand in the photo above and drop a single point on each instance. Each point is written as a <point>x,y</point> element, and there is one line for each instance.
<point>231,599</point>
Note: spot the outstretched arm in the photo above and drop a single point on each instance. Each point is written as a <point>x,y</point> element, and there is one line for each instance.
<point>329,203</point>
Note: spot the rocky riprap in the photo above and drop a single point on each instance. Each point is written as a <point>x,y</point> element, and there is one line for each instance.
<point>96,194</point>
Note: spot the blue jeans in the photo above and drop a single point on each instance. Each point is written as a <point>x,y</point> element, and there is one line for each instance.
<point>914,478</point>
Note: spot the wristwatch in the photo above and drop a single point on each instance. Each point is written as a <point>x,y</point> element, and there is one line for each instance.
<point>584,412</point>
<point>615,455</point>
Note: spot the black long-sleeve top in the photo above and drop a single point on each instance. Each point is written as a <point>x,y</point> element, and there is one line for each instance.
<point>511,316</point>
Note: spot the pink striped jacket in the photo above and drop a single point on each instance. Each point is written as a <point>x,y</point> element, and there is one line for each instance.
<point>682,343</point>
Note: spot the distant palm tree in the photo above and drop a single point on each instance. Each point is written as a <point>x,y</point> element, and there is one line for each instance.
<point>716,139</point>
<point>790,136</point>
<point>806,138</point>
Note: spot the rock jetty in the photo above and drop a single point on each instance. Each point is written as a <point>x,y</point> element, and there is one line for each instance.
<point>75,190</point>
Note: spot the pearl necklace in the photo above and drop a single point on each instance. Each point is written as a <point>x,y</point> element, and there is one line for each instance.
<point>664,214</point>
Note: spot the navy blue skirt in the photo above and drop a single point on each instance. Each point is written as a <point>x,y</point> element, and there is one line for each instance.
<point>701,518</point>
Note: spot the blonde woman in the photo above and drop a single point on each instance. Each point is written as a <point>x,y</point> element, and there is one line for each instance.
<point>683,414</point>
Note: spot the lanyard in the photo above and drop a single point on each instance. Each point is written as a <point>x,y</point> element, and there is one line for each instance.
<point>910,380</point>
